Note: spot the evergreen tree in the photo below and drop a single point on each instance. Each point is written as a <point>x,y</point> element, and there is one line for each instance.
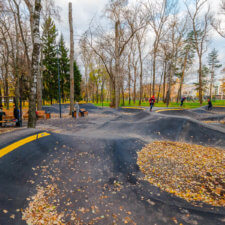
<point>77,82</point>
<point>64,69</point>
<point>213,63</point>
<point>205,74</point>
<point>50,73</point>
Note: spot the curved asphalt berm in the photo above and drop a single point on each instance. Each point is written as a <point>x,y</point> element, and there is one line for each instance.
<point>94,161</point>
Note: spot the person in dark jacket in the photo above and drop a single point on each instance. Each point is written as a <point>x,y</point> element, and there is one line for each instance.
<point>152,102</point>
<point>1,114</point>
<point>182,101</point>
<point>209,104</point>
<point>16,114</point>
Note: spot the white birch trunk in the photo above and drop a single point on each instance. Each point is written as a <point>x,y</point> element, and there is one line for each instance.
<point>34,64</point>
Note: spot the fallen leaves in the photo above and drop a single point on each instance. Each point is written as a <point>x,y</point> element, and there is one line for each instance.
<point>39,211</point>
<point>193,172</point>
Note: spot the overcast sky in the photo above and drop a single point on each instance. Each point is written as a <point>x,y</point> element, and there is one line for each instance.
<point>85,10</point>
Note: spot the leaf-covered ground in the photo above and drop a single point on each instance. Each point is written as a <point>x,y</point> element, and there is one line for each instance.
<point>193,172</point>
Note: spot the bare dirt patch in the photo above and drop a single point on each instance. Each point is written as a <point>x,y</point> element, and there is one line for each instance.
<point>193,172</point>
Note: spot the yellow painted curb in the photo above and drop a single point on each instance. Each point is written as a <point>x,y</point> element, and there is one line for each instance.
<point>133,108</point>
<point>12,147</point>
<point>164,110</point>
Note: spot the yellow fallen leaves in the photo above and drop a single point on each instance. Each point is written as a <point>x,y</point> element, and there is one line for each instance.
<point>214,121</point>
<point>193,172</point>
<point>39,211</point>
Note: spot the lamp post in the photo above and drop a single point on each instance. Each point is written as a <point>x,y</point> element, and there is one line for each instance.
<point>59,91</point>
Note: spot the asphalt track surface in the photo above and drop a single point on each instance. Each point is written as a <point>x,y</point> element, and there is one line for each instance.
<point>96,157</point>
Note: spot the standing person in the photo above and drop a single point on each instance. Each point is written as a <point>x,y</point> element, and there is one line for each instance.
<point>209,104</point>
<point>16,114</point>
<point>77,107</point>
<point>152,102</point>
<point>182,101</point>
<point>1,114</point>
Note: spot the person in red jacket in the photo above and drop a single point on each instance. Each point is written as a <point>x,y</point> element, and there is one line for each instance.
<point>152,102</point>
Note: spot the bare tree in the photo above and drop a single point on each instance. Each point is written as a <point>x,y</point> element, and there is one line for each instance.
<point>110,47</point>
<point>200,27</point>
<point>71,60</point>
<point>158,14</point>
<point>218,23</point>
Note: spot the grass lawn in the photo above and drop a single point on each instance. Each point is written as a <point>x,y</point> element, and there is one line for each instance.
<point>187,105</point>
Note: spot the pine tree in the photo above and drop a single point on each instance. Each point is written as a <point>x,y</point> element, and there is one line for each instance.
<point>77,82</point>
<point>213,63</point>
<point>50,77</point>
<point>64,69</point>
<point>204,82</point>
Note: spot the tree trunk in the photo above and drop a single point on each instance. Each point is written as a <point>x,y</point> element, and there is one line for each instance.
<point>135,85</point>
<point>169,88</point>
<point>71,60</point>
<point>160,87</point>
<point>97,95</point>
<point>0,94</point>
<point>164,84</point>
<point>182,77</point>
<point>112,92</point>
<point>39,85</point>
<point>34,65</point>
<point>141,75</point>
<point>7,86</point>
<point>200,80</point>
<point>153,73</point>
<point>129,79</point>
<point>86,76</point>
<point>211,83</point>
<point>117,64</point>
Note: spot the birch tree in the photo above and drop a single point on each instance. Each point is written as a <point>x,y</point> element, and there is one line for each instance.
<point>35,63</point>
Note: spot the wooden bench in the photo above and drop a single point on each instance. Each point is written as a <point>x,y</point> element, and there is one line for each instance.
<point>5,122</point>
<point>82,112</point>
<point>9,115</point>
<point>41,114</point>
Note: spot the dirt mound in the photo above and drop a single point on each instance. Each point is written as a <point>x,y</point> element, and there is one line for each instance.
<point>50,109</point>
<point>214,118</point>
<point>131,110</point>
<point>219,109</point>
<point>90,107</point>
<point>171,128</point>
<point>201,110</point>
<point>110,111</point>
<point>181,112</point>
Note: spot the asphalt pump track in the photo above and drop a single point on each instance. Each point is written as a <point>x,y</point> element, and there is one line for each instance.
<point>94,165</point>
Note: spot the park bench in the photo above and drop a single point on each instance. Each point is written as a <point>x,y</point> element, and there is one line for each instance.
<point>6,122</point>
<point>9,115</point>
<point>40,114</point>
<point>82,113</point>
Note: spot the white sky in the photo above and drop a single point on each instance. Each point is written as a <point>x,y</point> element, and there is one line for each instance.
<point>85,10</point>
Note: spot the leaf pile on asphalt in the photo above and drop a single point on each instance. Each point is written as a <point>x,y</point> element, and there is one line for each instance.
<point>193,172</point>
<point>40,211</point>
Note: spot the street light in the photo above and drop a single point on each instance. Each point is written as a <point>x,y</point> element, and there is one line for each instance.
<point>59,91</point>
